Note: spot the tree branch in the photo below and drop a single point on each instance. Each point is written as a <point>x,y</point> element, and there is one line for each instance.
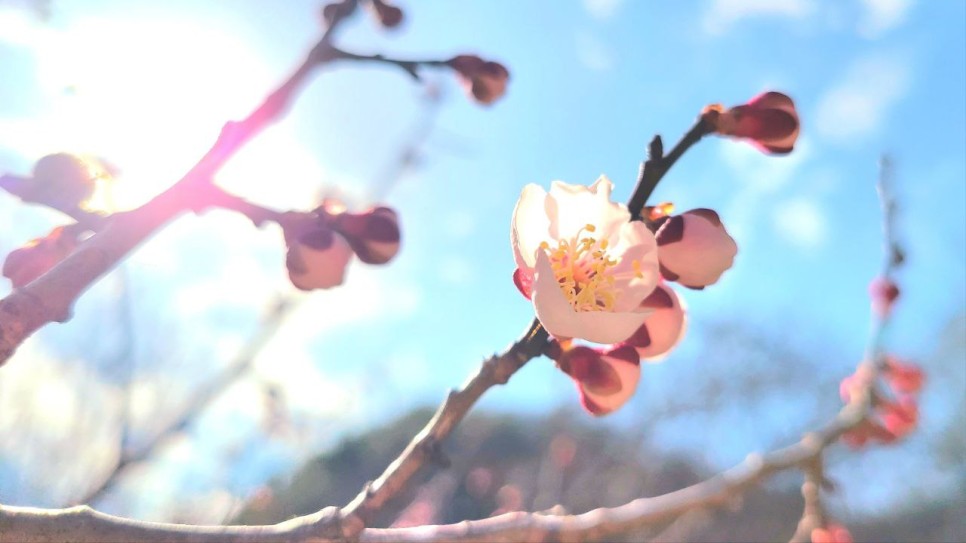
<point>411,67</point>
<point>29,525</point>
<point>51,296</point>
<point>425,445</point>
<point>657,164</point>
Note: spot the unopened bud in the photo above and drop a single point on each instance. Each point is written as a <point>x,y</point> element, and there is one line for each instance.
<point>769,121</point>
<point>388,15</point>
<point>485,81</point>
<point>374,235</point>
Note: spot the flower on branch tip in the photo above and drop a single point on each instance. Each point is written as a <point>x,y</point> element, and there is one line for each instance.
<point>769,121</point>
<point>831,533</point>
<point>891,419</point>
<point>606,378</point>
<point>664,328</point>
<point>388,15</point>
<point>883,292</point>
<point>37,256</point>
<point>485,81</point>
<point>694,248</point>
<point>581,261</point>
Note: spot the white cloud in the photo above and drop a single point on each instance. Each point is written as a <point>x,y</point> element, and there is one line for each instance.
<point>858,104</point>
<point>456,270</point>
<point>602,9</point>
<point>460,224</point>
<point>758,180</point>
<point>880,16</point>
<point>19,28</point>
<point>594,53</point>
<point>801,223</point>
<point>759,174</point>
<point>722,14</point>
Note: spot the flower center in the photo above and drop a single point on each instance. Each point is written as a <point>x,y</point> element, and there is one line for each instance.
<point>582,266</point>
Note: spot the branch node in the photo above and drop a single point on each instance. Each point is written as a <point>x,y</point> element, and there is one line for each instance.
<point>655,151</point>
<point>437,456</point>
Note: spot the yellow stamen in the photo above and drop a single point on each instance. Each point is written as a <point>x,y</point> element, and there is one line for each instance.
<point>582,268</point>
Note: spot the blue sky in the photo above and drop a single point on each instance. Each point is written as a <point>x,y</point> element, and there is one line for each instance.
<point>148,86</point>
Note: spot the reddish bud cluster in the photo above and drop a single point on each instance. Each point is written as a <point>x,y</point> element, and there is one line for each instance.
<point>769,121</point>
<point>694,249</point>
<point>321,243</point>
<point>883,293</point>
<point>831,533</point>
<point>37,256</point>
<point>485,81</point>
<point>893,419</point>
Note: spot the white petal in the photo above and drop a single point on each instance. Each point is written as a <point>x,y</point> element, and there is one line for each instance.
<point>561,320</point>
<point>606,327</point>
<point>551,306</point>
<point>571,207</point>
<point>636,242</point>
<point>529,226</point>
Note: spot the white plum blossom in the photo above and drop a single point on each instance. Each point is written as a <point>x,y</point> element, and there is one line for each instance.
<point>581,260</point>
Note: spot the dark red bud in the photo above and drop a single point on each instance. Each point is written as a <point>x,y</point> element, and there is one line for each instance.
<point>389,16</point>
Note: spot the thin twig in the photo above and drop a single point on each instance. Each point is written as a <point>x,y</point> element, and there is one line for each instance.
<point>496,370</point>
<point>51,297</point>
<point>657,164</point>
<point>411,67</point>
<point>28,525</point>
<point>201,399</point>
<point>425,446</point>
<point>281,307</point>
<point>862,399</point>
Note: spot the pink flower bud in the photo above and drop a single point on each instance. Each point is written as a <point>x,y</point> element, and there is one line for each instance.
<point>664,328</point>
<point>317,258</point>
<point>606,378</point>
<point>900,418</point>
<point>485,81</point>
<point>769,121</point>
<point>694,248</point>
<point>832,533</point>
<point>883,293</point>
<point>37,256</point>
<point>904,378</point>
<point>373,235</point>
<point>389,16</point>
<point>523,280</point>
